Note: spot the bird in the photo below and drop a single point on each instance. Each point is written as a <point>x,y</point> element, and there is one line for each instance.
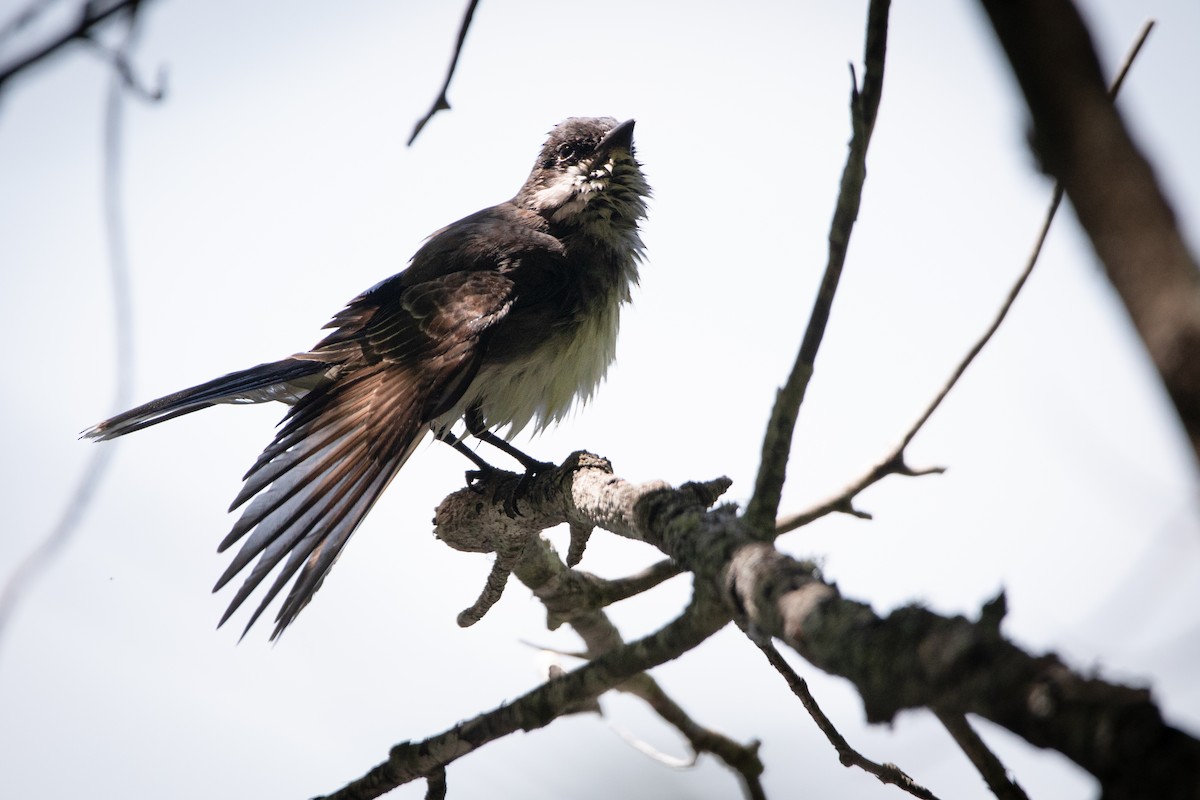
<point>504,318</point>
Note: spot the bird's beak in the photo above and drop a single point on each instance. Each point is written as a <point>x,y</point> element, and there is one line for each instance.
<point>619,138</point>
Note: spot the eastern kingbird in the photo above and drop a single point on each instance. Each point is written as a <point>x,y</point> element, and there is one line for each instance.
<point>503,318</point>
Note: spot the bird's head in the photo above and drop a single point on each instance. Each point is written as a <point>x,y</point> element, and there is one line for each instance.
<point>587,178</point>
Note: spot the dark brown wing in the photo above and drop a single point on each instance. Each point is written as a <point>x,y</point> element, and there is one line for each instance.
<point>405,353</point>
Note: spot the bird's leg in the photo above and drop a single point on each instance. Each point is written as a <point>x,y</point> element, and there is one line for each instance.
<point>474,476</point>
<point>477,427</point>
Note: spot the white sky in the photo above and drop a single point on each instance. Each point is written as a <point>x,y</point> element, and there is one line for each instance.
<point>273,185</point>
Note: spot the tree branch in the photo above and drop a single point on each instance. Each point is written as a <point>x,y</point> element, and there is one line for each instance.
<point>777,442</point>
<point>442,103</point>
<point>886,773</point>
<point>413,760</point>
<point>42,556</point>
<point>1082,140</point>
<point>912,658</point>
<point>91,16</point>
<point>894,463</point>
<point>989,766</point>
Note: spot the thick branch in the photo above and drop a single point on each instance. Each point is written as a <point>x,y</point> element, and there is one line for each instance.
<point>1083,141</point>
<point>913,658</point>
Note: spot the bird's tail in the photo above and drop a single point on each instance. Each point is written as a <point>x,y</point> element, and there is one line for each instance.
<point>285,380</point>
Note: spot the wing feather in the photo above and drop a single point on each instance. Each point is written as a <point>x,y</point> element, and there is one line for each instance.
<point>403,355</point>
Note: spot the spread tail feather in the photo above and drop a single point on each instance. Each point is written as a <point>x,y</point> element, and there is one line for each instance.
<point>274,381</point>
<point>332,457</point>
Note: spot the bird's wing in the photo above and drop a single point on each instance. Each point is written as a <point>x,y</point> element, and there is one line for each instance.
<point>407,352</point>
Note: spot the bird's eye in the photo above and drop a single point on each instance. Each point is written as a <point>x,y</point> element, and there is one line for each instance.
<point>569,151</point>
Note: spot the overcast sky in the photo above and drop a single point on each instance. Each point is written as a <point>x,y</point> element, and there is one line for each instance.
<point>273,184</point>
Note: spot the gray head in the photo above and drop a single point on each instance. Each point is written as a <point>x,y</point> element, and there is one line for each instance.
<point>586,177</point>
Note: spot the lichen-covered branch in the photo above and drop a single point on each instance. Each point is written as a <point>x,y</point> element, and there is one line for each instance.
<point>912,658</point>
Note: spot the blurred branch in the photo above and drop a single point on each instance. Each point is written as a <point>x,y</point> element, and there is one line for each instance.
<point>886,773</point>
<point>442,103</point>
<point>43,554</point>
<point>91,15</point>
<point>1082,141</point>
<point>777,442</point>
<point>23,18</point>
<point>894,463</point>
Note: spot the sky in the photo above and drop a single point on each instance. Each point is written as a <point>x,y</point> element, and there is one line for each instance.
<point>272,184</point>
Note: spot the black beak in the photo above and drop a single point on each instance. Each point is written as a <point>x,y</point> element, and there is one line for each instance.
<point>619,138</point>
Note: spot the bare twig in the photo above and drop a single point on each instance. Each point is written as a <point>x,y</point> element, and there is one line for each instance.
<point>412,760</point>
<point>886,773</point>
<point>91,15</point>
<point>577,597</point>
<point>36,562</point>
<point>442,103</point>
<point>614,590</point>
<point>893,463</point>
<point>743,759</point>
<point>777,442</point>
<point>1082,140</point>
<point>989,766</point>
<point>119,59</point>
<point>23,18</point>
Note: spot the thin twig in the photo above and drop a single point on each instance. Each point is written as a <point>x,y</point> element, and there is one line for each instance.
<point>743,759</point>
<point>615,590</point>
<point>886,773</point>
<point>893,463</point>
<point>412,760</point>
<point>37,561</point>
<point>777,442</point>
<point>578,598</point>
<point>442,103</point>
<point>23,18</point>
<point>990,767</point>
<point>91,15</point>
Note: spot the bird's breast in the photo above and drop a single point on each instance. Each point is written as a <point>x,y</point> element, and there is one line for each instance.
<point>537,373</point>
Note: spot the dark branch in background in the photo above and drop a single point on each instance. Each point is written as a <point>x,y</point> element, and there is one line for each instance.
<point>894,463</point>
<point>886,773</point>
<point>23,19</point>
<point>91,15</point>
<point>1082,141</point>
<point>777,442</point>
<point>42,555</point>
<point>442,103</point>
